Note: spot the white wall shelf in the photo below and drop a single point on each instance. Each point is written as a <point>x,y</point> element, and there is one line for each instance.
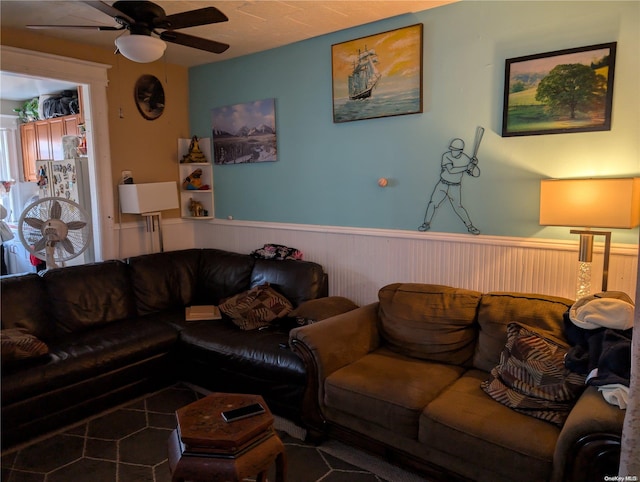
<point>203,196</point>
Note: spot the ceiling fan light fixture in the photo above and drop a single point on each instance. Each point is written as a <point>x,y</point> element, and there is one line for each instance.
<point>141,48</point>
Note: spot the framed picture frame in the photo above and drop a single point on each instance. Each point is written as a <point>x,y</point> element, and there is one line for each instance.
<point>244,133</point>
<point>378,76</point>
<point>149,97</point>
<point>559,92</point>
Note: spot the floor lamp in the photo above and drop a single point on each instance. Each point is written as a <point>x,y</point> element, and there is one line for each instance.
<point>149,200</point>
<point>590,203</point>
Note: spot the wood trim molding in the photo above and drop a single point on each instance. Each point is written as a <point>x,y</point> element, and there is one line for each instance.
<point>93,78</point>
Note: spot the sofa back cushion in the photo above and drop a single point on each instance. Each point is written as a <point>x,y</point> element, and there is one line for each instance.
<point>24,305</point>
<point>164,281</point>
<point>431,322</point>
<point>298,280</point>
<point>540,312</point>
<point>80,297</point>
<point>222,274</point>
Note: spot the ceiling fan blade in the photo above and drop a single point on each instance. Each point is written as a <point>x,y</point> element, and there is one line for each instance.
<point>193,18</point>
<point>111,11</point>
<point>194,42</point>
<point>77,27</point>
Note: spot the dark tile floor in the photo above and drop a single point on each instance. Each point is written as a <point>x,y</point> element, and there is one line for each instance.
<point>129,444</point>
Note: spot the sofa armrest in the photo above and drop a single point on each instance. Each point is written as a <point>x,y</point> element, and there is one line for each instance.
<point>329,345</point>
<point>589,442</point>
<point>339,340</point>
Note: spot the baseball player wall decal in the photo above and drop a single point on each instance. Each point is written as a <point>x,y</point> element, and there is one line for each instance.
<point>454,165</point>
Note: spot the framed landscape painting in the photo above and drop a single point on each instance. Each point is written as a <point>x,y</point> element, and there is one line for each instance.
<point>378,76</point>
<point>559,92</point>
<point>244,133</point>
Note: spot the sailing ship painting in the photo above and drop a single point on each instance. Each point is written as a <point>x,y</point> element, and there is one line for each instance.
<point>378,76</point>
<point>365,75</point>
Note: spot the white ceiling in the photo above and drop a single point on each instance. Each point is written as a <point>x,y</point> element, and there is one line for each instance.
<point>253,26</point>
<point>18,87</point>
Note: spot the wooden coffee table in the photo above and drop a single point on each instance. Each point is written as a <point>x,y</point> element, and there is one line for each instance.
<point>205,448</point>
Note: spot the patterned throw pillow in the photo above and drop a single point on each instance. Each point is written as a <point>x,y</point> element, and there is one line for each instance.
<point>18,344</point>
<point>531,377</point>
<point>277,251</point>
<point>256,308</point>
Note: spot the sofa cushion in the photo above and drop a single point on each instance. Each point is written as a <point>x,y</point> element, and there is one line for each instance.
<point>17,344</point>
<point>299,281</point>
<point>468,425</point>
<point>388,389</point>
<point>531,377</point>
<point>83,297</point>
<point>164,281</point>
<point>22,305</point>
<point>217,356</point>
<point>541,312</point>
<point>89,354</point>
<point>256,307</point>
<point>256,353</point>
<point>222,274</point>
<point>432,322</point>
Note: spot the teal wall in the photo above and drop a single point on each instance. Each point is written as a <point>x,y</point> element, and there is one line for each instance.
<point>327,173</point>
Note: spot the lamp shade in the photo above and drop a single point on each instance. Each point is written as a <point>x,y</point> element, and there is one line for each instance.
<point>149,197</point>
<point>593,203</point>
<point>141,48</point>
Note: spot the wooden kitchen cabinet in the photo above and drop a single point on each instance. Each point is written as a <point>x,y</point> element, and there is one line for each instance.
<point>43,140</point>
<point>58,128</point>
<point>43,136</point>
<point>71,123</point>
<point>29,150</point>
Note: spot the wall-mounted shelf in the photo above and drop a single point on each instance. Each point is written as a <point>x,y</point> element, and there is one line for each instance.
<point>186,169</point>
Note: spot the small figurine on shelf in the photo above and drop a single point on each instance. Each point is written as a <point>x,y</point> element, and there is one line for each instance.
<point>194,154</point>
<point>196,208</point>
<point>193,182</point>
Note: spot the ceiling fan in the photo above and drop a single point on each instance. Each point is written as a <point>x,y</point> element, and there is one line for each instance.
<point>144,18</point>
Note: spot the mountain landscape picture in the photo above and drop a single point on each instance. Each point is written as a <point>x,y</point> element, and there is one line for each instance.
<point>244,133</point>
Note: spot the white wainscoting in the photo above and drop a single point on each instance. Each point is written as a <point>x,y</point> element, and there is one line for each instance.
<point>133,239</point>
<point>360,261</point>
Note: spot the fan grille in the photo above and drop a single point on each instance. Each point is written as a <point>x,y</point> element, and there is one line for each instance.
<point>61,223</point>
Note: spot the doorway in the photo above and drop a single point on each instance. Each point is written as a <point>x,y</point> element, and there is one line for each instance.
<point>92,79</point>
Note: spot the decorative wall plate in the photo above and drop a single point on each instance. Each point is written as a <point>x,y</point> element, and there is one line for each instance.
<point>149,97</point>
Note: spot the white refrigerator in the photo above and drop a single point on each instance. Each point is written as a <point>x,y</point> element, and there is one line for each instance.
<point>67,179</point>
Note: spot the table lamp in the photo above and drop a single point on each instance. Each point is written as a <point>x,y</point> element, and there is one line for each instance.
<point>148,200</point>
<point>592,203</point>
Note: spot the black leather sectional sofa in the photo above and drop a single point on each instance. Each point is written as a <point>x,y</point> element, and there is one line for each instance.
<point>116,329</point>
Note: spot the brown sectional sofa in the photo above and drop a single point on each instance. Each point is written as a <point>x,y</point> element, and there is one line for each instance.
<point>116,329</point>
<point>402,377</point>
